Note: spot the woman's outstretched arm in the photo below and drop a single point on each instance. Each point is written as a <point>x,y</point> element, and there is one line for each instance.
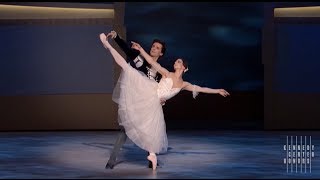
<point>163,71</point>
<point>194,88</point>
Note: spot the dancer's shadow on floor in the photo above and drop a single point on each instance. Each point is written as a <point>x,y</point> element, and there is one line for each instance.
<point>132,153</point>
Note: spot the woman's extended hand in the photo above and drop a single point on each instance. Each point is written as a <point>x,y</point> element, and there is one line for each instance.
<point>223,92</point>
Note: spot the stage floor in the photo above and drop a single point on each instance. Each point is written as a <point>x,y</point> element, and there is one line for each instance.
<point>191,154</point>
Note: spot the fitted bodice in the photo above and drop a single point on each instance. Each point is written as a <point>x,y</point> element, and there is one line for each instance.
<point>165,90</point>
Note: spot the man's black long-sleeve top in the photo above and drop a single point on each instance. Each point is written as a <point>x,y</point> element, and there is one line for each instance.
<point>135,59</point>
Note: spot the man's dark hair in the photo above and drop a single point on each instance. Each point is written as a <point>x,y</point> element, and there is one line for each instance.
<point>163,50</point>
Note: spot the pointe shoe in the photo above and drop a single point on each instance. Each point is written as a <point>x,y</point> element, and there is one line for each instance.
<point>109,166</point>
<point>153,159</point>
<point>103,37</point>
<point>150,164</point>
<point>104,40</point>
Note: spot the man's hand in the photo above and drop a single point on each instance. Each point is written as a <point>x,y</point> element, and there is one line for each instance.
<point>135,46</point>
<point>112,34</point>
<point>162,102</point>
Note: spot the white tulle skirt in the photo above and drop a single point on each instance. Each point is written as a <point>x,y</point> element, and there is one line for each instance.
<point>140,111</point>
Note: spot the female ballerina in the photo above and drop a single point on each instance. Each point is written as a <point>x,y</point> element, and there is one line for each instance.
<point>142,116</point>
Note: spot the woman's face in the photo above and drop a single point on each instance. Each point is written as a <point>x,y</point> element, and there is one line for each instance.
<point>178,64</point>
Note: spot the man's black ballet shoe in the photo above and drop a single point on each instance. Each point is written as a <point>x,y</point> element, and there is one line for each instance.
<point>110,166</point>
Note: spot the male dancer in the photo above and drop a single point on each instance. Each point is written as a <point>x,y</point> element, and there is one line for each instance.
<point>134,58</point>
